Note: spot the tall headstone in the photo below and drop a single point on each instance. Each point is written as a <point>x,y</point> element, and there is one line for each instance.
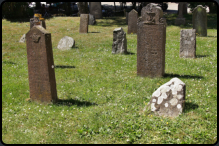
<point>169,99</point>
<point>83,8</point>
<point>119,41</point>
<point>41,72</point>
<point>84,19</point>
<point>151,40</point>
<point>92,20</point>
<point>96,10</point>
<point>199,20</point>
<point>180,20</point>
<point>132,21</point>
<point>187,43</point>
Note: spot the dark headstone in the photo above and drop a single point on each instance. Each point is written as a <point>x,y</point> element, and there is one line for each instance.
<point>180,20</point>
<point>151,40</point>
<point>132,21</point>
<point>84,18</point>
<point>83,8</point>
<point>119,41</point>
<point>41,72</point>
<point>96,10</point>
<point>199,20</point>
<point>187,43</point>
<point>92,20</point>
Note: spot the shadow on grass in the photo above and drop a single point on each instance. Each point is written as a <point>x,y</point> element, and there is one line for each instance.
<point>8,62</point>
<point>64,66</point>
<point>129,53</point>
<point>71,102</point>
<point>114,21</point>
<point>201,56</point>
<point>93,32</point>
<point>182,76</point>
<point>190,106</point>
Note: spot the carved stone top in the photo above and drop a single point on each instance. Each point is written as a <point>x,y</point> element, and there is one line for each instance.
<point>151,14</point>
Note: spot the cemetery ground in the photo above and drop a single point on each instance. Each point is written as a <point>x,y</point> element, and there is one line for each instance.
<point>101,98</point>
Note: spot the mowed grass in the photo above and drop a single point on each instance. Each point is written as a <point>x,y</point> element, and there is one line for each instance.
<point>102,96</point>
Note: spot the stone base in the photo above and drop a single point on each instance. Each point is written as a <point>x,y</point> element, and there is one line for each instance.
<point>180,21</point>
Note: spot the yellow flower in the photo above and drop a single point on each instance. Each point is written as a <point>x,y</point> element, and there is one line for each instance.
<point>167,122</point>
<point>151,115</point>
<point>161,120</point>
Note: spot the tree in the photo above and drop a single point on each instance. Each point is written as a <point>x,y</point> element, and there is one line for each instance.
<point>212,6</point>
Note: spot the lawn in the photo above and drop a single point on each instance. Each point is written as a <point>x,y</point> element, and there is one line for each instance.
<point>101,96</point>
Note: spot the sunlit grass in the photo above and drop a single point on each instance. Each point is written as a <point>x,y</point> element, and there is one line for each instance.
<point>103,98</point>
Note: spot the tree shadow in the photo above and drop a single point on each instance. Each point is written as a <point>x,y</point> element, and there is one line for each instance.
<point>8,62</point>
<point>93,32</point>
<point>71,102</point>
<point>64,66</point>
<point>118,21</point>
<point>182,76</point>
<point>190,106</point>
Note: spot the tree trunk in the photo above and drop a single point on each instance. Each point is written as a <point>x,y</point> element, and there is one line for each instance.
<point>212,7</point>
<point>115,6</point>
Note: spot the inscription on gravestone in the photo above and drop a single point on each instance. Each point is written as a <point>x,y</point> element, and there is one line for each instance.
<point>151,39</point>
<point>199,20</point>
<point>132,22</point>
<point>41,72</point>
<point>84,19</point>
<point>187,43</point>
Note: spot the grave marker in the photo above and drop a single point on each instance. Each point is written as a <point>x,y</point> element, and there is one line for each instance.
<point>199,20</point>
<point>119,41</point>
<point>84,19</point>
<point>92,20</point>
<point>187,43</point>
<point>41,72</point>
<point>151,40</point>
<point>132,21</point>
<point>96,10</point>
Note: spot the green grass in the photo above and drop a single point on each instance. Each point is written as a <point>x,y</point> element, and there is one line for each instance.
<point>102,97</point>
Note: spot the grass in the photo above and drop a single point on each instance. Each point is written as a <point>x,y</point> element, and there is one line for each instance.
<point>102,97</point>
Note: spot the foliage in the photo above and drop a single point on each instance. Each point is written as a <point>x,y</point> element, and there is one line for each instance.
<point>212,6</point>
<point>11,10</point>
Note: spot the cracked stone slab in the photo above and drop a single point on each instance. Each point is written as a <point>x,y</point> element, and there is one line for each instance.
<point>119,41</point>
<point>169,99</point>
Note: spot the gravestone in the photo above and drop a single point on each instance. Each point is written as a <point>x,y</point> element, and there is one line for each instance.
<point>199,20</point>
<point>180,20</point>
<point>187,43</point>
<point>127,15</point>
<point>37,21</point>
<point>83,8</point>
<point>66,43</point>
<point>119,41</point>
<point>92,20</point>
<point>184,7</point>
<point>169,99</point>
<point>96,10</point>
<point>41,72</point>
<point>151,40</point>
<point>132,21</point>
<point>23,38</point>
<point>84,19</point>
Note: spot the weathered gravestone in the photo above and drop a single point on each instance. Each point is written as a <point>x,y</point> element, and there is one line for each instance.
<point>132,21</point>
<point>23,38</point>
<point>199,20</point>
<point>38,21</point>
<point>180,20</point>
<point>119,41</point>
<point>84,18</point>
<point>187,43</point>
<point>169,99</point>
<point>184,7</point>
<point>151,40</point>
<point>83,8</point>
<point>41,72</point>
<point>66,43</point>
<point>96,10</point>
<point>92,20</point>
